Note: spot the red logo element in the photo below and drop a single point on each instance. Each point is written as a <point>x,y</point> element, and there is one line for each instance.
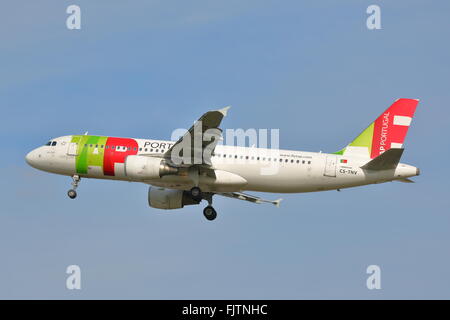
<point>116,151</point>
<point>385,132</point>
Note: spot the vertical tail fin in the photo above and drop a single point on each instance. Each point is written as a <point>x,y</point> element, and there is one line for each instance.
<point>386,132</point>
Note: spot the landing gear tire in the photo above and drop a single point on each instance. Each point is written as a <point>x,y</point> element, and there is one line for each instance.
<point>210,213</point>
<point>75,181</point>
<point>196,193</point>
<point>72,194</point>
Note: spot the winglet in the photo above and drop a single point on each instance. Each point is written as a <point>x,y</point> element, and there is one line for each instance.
<point>277,202</point>
<point>224,110</point>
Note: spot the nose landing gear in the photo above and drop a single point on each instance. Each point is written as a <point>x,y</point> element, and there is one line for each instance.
<point>72,193</point>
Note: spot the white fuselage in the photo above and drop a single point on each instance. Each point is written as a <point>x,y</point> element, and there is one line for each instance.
<point>238,168</point>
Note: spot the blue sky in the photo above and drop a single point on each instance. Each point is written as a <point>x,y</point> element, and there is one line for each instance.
<point>311,69</point>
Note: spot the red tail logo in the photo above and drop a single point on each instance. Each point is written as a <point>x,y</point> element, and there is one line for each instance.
<point>391,127</point>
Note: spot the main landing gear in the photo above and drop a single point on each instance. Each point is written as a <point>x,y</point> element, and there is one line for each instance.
<point>72,193</point>
<point>196,193</point>
<point>209,212</point>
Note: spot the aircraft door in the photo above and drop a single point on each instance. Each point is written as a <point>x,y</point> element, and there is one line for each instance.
<point>330,166</point>
<point>72,149</point>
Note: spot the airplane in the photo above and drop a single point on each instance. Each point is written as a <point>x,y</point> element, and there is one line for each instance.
<point>179,178</point>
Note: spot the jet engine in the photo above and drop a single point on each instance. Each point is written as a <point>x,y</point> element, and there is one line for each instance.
<point>147,168</point>
<point>162,198</point>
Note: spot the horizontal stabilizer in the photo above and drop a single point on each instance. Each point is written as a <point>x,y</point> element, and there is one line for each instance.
<point>385,161</point>
<point>406,180</point>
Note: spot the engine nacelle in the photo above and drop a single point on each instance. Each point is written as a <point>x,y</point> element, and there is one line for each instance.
<point>147,168</point>
<point>162,198</point>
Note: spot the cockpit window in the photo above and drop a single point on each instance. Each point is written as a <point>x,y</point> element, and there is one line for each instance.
<point>48,143</point>
<point>53,143</point>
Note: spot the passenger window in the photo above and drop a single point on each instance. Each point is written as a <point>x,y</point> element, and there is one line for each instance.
<point>135,149</point>
<point>96,145</point>
<point>298,161</point>
<point>129,148</point>
<point>146,149</point>
<point>156,150</point>
<point>281,160</point>
<point>112,147</point>
<point>303,161</point>
<point>309,162</point>
<point>106,147</point>
<point>292,161</point>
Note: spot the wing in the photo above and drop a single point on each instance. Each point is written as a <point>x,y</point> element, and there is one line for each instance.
<point>198,143</point>
<point>247,197</point>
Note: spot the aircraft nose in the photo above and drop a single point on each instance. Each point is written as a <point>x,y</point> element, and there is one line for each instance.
<point>31,158</point>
